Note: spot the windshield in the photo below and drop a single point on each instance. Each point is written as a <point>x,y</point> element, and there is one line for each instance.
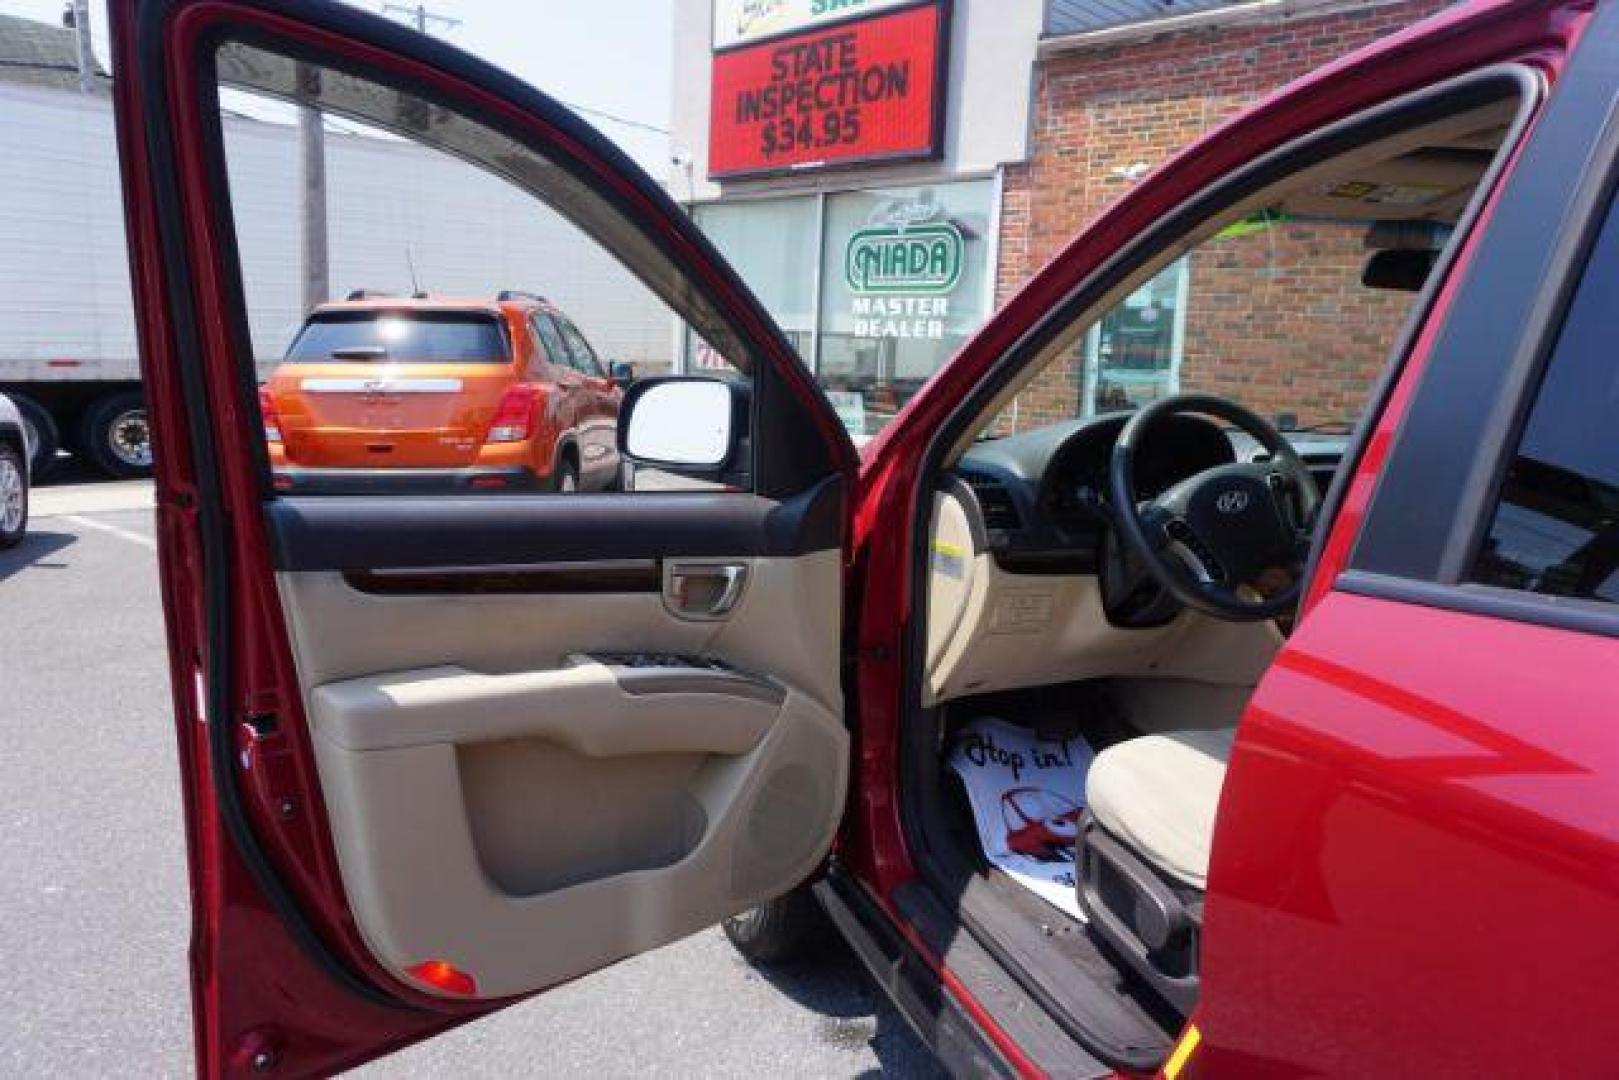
<point>408,337</point>
<point>1273,311</point>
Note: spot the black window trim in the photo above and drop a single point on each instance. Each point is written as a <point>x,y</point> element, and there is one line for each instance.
<point>1574,178</point>
<point>1476,598</point>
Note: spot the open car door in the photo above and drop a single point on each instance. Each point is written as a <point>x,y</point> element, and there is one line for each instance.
<point>444,748</point>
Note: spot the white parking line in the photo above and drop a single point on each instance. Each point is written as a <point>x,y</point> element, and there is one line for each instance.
<point>125,534</point>
<point>61,500</point>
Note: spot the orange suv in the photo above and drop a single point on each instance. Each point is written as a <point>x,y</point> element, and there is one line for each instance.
<point>427,394</point>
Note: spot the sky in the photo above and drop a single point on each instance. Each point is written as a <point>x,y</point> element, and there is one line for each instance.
<point>603,58</point>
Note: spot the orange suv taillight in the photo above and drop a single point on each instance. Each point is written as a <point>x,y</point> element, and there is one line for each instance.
<point>516,414</point>
<point>272,421</point>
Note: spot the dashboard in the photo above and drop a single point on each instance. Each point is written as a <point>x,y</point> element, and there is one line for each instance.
<point>1042,495</point>
<point>1027,588</point>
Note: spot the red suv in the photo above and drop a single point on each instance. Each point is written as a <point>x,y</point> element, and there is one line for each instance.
<point>383,393</point>
<point>1354,802</point>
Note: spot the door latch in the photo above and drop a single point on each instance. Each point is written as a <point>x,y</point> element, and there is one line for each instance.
<point>693,590</point>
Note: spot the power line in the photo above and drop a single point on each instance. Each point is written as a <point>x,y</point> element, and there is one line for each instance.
<point>641,124</point>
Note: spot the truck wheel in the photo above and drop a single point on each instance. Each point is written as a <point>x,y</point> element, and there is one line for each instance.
<point>117,435</point>
<point>43,435</point>
<point>779,931</point>
<point>13,497</point>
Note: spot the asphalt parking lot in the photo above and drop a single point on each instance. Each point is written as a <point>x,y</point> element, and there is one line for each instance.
<point>93,888</point>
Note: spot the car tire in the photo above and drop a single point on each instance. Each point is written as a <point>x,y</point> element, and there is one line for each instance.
<point>13,496</point>
<point>43,435</point>
<point>780,931</point>
<point>117,435</point>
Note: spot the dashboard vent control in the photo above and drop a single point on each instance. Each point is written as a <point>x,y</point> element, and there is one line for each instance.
<point>1000,512</point>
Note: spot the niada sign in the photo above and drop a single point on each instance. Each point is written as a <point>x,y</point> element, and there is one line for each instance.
<point>917,260</point>
<point>900,276</point>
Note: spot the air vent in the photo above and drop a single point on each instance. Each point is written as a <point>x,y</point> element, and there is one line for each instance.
<point>1323,465</point>
<point>1325,458</point>
<point>1000,512</point>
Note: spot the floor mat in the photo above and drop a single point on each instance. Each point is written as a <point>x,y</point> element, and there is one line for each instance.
<point>1026,794</point>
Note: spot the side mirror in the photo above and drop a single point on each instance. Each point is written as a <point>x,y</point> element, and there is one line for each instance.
<point>621,372</point>
<point>680,422</point>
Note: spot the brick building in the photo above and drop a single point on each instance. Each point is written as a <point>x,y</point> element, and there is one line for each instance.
<point>1051,110</point>
<point>1110,103</point>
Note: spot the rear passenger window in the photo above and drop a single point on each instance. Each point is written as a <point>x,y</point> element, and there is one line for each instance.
<point>584,356</point>
<point>555,350</point>
<point>1555,528</point>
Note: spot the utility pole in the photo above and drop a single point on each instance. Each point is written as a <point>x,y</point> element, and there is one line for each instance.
<point>420,16</point>
<point>313,255</point>
<point>77,16</point>
<point>313,250</point>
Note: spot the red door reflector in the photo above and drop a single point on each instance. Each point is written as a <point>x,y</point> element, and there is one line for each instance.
<point>446,977</point>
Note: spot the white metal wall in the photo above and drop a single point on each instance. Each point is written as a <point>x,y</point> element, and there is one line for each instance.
<point>64,275</point>
<point>64,283</point>
<point>392,204</point>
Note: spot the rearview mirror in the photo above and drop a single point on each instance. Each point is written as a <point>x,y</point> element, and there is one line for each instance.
<point>621,372</point>
<point>679,422</point>
<point>1401,269</point>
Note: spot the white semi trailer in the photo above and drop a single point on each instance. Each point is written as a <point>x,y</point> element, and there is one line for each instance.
<point>400,216</point>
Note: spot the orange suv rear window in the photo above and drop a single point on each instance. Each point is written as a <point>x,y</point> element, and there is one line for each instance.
<point>411,337</point>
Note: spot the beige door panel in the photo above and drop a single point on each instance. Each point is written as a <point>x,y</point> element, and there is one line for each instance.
<point>340,632</point>
<point>589,707</point>
<point>504,801</point>
<point>525,863</point>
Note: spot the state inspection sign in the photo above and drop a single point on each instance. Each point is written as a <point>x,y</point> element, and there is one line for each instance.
<point>870,90</point>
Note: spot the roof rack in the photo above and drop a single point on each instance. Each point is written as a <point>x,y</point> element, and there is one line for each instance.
<point>519,294</point>
<point>367,294</point>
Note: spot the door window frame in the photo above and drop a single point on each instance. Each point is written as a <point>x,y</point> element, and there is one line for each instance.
<point>1437,491</point>
<point>227,637</point>
<point>1491,83</point>
<point>1496,82</point>
<point>784,401</point>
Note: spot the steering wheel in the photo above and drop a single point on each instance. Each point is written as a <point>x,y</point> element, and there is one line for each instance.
<point>1211,538</point>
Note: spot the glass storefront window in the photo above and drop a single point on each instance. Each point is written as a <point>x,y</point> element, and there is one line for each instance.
<point>772,244</point>
<point>903,274</point>
<point>1133,353</point>
<point>904,277</point>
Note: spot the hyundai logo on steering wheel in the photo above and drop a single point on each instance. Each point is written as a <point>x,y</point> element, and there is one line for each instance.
<point>1232,502</point>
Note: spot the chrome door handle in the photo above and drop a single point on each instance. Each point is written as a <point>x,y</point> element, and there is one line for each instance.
<point>703,590</point>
